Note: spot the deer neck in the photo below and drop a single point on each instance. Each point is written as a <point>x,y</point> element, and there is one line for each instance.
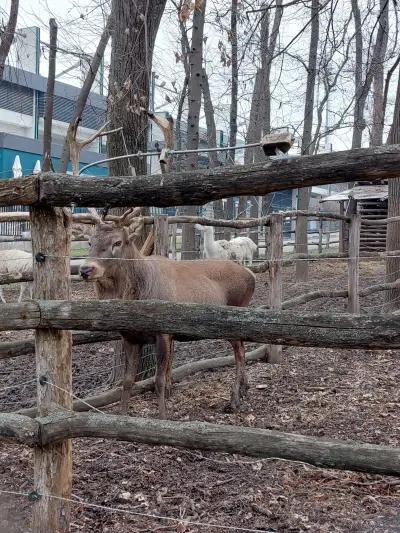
<point>209,240</point>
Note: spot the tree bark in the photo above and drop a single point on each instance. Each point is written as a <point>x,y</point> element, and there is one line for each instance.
<point>135,30</point>
<point>8,35</point>
<point>304,194</point>
<point>194,97</point>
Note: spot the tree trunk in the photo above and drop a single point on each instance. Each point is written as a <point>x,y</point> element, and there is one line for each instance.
<point>393,229</point>
<point>85,90</point>
<point>48,119</point>
<point>358,125</point>
<point>233,37</point>
<point>8,35</point>
<point>194,97</point>
<point>362,88</point>
<point>210,120</point>
<point>304,194</point>
<point>213,161</point>
<point>135,29</point>
<point>185,51</point>
<point>378,113</point>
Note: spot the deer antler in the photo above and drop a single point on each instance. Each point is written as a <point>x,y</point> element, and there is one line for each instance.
<point>96,217</point>
<point>137,226</point>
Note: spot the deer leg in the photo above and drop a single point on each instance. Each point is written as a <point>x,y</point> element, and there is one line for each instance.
<point>240,386</point>
<point>163,349</point>
<point>132,358</point>
<point>2,296</point>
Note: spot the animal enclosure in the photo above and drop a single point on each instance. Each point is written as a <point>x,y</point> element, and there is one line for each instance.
<point>53,315</point>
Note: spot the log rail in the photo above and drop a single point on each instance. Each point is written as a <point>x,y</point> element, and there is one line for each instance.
<point>198,321</point>
<point>261,443</point>
<point>202,186</point>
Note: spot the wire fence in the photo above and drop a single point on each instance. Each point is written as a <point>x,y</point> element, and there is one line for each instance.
<point>33,496</point>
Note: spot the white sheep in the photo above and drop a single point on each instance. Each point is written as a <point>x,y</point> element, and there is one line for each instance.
<point>239,249</point>
<point>16,262</point>
<point>248,247</point>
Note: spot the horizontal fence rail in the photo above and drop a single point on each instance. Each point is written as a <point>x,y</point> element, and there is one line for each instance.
<point>202,186</point>
<point>197,321</point>
<point>262,443</point>
<point>83,218</point>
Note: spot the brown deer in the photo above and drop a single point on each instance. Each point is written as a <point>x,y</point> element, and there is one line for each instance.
<point>136,277</point>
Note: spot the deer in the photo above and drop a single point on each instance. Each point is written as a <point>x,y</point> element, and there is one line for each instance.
<point>119,270</point>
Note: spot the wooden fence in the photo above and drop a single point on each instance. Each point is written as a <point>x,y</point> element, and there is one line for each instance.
<point>53,315</point>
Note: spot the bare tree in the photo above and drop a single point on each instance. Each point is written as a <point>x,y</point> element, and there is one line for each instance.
<point>233,126</point>
<point>303,198</point>
<point>48,119</point>
<point>233,38</point>
<point>378,80</point>
<point>194,97</point>
<point>84,92</point>
<point>363,86</point>
<point>260,110</point>
<point>393,228</point>
<point>7,35</point>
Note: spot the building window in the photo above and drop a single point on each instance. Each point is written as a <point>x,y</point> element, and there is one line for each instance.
<point>16,98</point>
<point>92,117</point>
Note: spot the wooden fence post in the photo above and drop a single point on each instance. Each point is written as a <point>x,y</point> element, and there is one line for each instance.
<point>354,264</point>
<point>320,235</point>
<point>161,235</point>
<point>274,352</point>
<point>51,275</point>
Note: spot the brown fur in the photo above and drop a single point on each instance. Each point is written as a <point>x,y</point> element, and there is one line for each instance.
<point>208,281</point>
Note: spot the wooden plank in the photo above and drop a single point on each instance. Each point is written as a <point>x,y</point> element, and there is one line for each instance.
<point>161,235</point>
<point>275,278</point>
<point>201,321</point>
<point>354,264</point>
<point>201,186</point>
<point>52,463</point>
<point>254,442</point>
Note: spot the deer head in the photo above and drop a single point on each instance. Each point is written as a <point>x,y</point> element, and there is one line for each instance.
<point>112,239</point>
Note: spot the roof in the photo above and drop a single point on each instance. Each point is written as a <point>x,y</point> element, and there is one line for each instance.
<point>361,192</point>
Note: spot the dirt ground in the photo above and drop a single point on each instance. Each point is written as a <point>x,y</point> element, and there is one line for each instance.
<point>342,394</point>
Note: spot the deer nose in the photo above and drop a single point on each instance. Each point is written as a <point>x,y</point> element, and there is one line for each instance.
<point>85,271</point>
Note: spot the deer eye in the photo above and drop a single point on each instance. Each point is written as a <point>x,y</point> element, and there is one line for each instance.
<point>116,244</point>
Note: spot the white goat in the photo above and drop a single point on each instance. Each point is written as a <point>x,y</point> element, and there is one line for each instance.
<point>16,262</point>
<point>239,249</point>
<point>248,246</point>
